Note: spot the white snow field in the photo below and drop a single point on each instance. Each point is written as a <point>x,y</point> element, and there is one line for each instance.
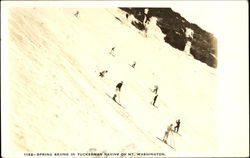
<point>59,103</point>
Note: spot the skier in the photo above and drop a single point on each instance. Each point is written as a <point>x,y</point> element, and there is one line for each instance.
<point>155,99</point>
<point>169,129</point>
<point>133,66</point>
<point>76,14</point>
<point>155,90</point>
<point>176,128</point>
<point>112,51</point>
<point>102,73</point>
<point>127,15</point>
<point>146,19</point>
<point>117,90</point>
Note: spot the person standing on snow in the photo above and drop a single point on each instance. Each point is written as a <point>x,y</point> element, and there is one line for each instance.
<point>133,66</point>
<point>117,90</point>
<point>155,99</point>
<point>169,129</point>
<point>76,14</point>
<point>146,19</point>
<point>112,51</point>
<point>176,128</point>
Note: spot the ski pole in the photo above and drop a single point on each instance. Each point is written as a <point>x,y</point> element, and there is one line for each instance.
<point>173,139</point>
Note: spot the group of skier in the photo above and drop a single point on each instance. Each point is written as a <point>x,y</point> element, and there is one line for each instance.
<point>119,85</point>
<point>155,90</point>
<point>170,129</point>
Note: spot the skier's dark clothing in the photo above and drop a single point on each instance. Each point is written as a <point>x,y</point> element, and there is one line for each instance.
<point>118,86</point>
<point>127,15</point>
<point>112,51</point>
<point>118,89</point>
<point>102,73</point>
<point>114,97</point>
<point>155,90</point>
<point>134,65</point>
<point>155,99</point>
<point>176,128</point>
<point>76,14</point>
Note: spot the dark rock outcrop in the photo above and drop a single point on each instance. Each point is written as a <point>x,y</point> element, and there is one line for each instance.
<point>173,25</point>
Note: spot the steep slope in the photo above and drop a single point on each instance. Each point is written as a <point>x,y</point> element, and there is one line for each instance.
<point>59,103</point>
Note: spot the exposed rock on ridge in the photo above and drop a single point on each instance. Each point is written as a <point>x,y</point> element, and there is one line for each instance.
<point>173,25</point>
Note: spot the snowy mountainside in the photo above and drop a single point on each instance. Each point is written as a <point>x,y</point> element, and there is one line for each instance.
<point>59,103</point>
<point>203,44</point>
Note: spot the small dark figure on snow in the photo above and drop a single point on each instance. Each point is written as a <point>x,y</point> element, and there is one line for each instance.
<point>76,14</point>
<point>176,128</point>
<point>155,99</point>
<point>169,129</point>
<point>133,66</point>
<point>155,89</point>
<point>112,51</point>
<point>118,86</point>
<point>127,15</point>
<point>117,90</point>
<point>102,73</point>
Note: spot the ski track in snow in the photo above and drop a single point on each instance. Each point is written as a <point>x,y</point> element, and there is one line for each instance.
<point>58,101</point>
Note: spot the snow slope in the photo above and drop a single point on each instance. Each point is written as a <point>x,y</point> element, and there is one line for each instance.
<point>59,103</point>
